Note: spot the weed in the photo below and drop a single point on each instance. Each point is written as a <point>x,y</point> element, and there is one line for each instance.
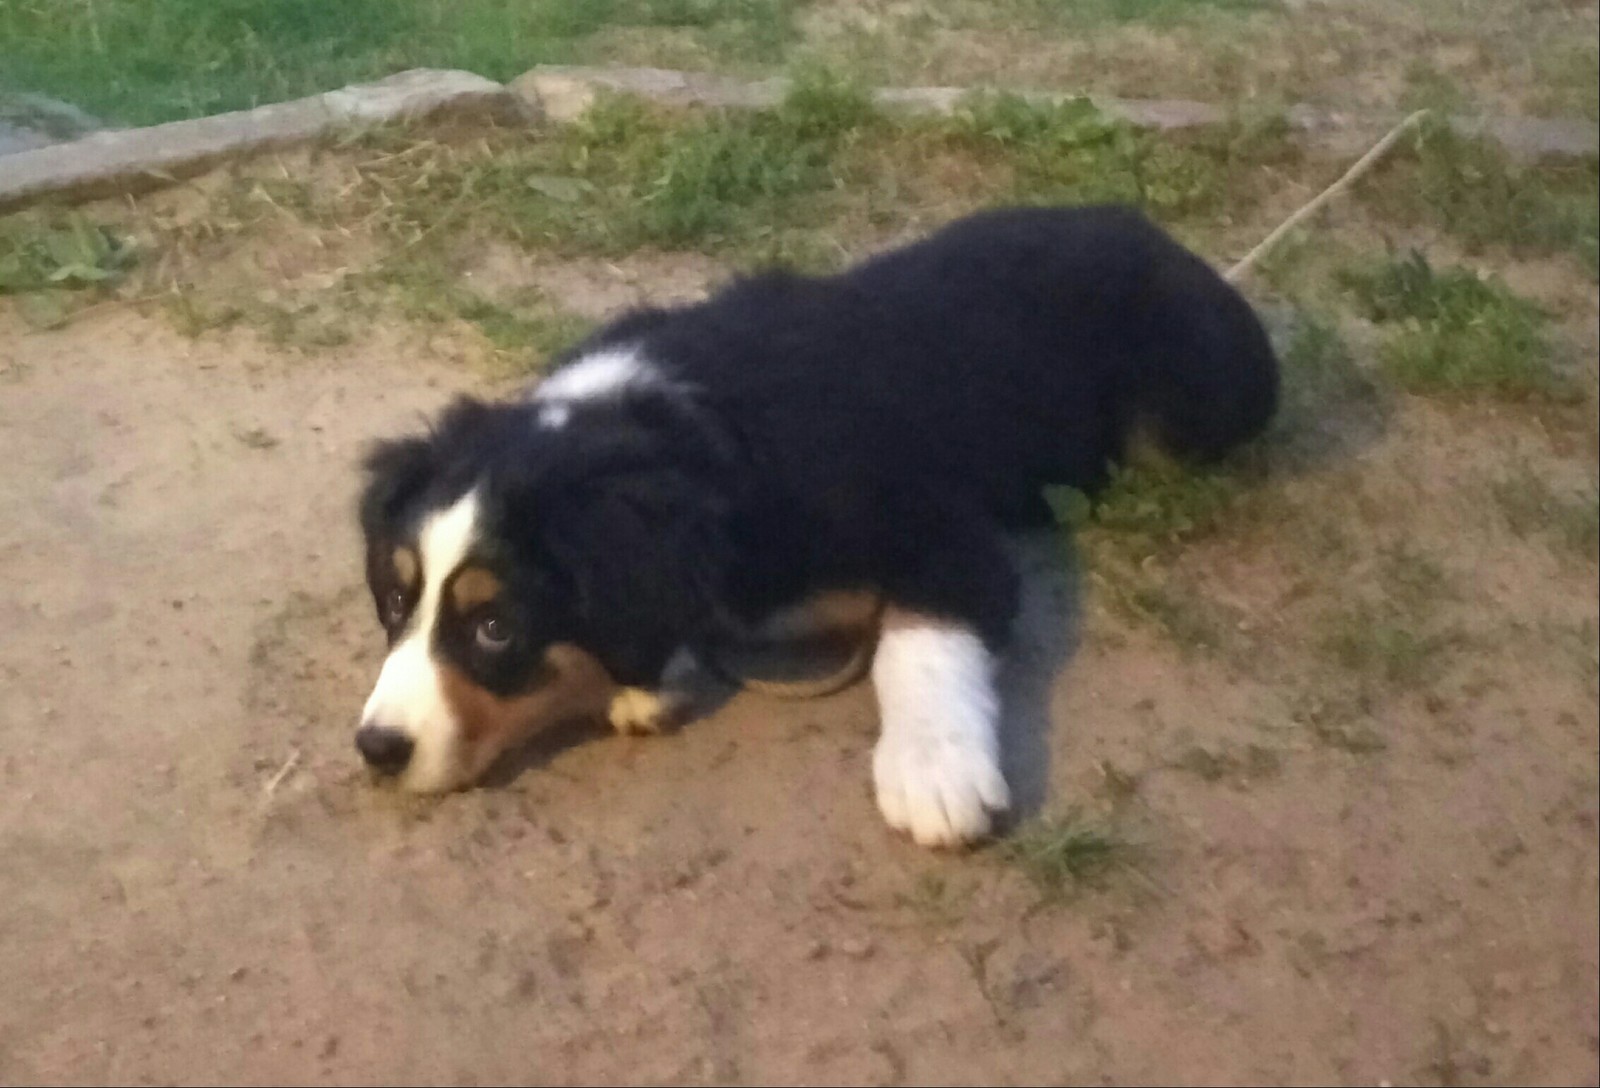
<point>626,176</point>
<point>38,253</point>
<point>1153,503</point>
<point>1470,188</point>
<point>1062,854</point>
<point>1532,505</point>
<point>1071,152</point>
<point>1451,331</point>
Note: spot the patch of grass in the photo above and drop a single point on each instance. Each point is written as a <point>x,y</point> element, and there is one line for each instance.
<point>1071,152</point>
<point>1159,12</point>
<point>1429,88</point>
<point>1451,331</point>
<point>1152,504</point>
<point>1569,77</point>
<point>39,253</point>
<point>1533,506</point>
<point>1472,189</point>
<point>1382,643</point>
<point>159,60</point>
<point>56,264</point>
<point>1066,853</point>
<point>627,175</point>
<point>524,330</point>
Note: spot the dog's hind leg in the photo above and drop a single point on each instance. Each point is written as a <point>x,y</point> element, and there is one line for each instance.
<point>951,592</point>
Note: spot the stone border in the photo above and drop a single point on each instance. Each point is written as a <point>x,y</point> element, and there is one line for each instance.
<point>129,160</point>
<point>135,159</point>
<point>562,93</point>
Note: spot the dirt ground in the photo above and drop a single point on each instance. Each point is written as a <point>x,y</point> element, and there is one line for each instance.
<point>198,885</point>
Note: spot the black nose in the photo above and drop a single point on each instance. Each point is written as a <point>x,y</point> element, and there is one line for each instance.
<point>385,750</point>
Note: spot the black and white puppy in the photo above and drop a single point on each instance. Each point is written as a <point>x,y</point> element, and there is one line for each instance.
<point>689,475</point>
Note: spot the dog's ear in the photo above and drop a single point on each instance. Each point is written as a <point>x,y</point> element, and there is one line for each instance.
<point>646,554</point>
<point>396,471</point>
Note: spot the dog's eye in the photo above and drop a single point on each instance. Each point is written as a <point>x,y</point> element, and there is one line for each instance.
<point>492,634</point>
<point>394,606</point>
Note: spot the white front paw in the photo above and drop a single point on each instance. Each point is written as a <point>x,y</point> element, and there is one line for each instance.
<point>944,790</point>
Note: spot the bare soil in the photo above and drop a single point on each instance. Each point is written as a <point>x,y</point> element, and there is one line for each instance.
<point>198,885</point>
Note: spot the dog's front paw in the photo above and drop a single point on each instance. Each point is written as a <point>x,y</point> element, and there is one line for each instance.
<point>944,790</point>
<point>638,712</point>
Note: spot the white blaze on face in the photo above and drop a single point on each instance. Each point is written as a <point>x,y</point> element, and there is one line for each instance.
<point>409,695</point>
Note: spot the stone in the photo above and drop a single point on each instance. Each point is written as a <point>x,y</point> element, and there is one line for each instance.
<point>126,160</point>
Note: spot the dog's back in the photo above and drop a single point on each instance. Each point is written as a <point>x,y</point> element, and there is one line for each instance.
<point>1011,349</point>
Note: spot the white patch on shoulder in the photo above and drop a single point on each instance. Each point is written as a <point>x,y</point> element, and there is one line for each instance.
<point>409,695</point>
<point>591,377</point>
<point>937,763</point>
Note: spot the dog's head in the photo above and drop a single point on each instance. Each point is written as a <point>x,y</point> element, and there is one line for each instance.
<point>522,571</point>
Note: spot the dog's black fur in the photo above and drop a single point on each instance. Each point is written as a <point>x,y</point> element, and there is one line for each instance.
<point>881,428</point>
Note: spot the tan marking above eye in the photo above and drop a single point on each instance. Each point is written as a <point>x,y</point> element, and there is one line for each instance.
<point>406,567</point>
<point>472,587</point>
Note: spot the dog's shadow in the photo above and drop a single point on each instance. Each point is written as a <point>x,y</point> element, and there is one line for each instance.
<point>1046,635</point>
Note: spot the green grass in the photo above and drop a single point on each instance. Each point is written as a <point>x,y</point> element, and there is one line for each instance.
<point>627,176</point>
<point>1451,331</point>
<point>145,61</point>
<point>1066,853</point>
<point>1083,13</point>
<point>1471,189</point>
<point>1152,504</point>
<point>58,263</point>
<point>42,252</point>
<point>1070,152</point>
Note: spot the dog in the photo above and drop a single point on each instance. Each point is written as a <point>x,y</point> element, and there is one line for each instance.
<point>686,476</point>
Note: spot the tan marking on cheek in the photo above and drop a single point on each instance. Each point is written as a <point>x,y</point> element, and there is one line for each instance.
<point>576,687</point>
<point>474,586</point>
<point>406,567</point>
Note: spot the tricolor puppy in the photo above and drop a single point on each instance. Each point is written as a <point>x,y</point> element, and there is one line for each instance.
<point>687,475</point>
